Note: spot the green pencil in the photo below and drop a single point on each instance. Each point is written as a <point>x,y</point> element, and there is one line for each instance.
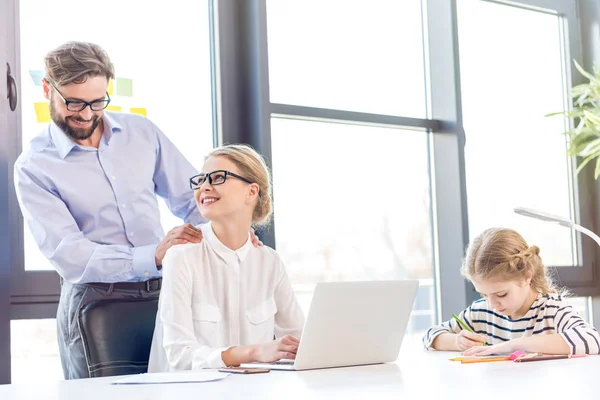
<point>464,326</point>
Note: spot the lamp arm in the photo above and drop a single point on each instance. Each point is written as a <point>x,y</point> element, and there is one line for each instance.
<point>587,232</point>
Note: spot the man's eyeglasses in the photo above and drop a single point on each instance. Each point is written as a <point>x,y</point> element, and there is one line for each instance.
<point>214,178</point>
<point>80,105</point>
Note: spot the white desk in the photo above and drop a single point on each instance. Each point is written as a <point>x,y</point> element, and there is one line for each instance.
<point>417,374</point>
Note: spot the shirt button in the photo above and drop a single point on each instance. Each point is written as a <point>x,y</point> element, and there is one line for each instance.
<point>113,177</point>
<point>131,233</point>
<point>124,205</point>
<point>146,273</point>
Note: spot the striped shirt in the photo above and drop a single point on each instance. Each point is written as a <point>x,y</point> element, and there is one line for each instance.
<point>548,314</point>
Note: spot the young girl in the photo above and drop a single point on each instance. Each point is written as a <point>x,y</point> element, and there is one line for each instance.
<point>521,309</point>
<point>223,300</point>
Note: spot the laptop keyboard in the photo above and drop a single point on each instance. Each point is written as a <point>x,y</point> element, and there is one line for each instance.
<point>283,362</point>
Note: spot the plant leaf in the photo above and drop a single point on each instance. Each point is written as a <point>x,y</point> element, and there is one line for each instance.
<point>592,117</point>
<point>584,138</point>
<point>586,148</point>
<point>556,113</point>
<point>584,163</point>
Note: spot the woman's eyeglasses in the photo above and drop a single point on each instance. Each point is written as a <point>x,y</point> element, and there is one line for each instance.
<point>214,178</point>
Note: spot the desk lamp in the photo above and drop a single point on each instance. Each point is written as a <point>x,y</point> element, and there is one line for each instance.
<point>557,220</point>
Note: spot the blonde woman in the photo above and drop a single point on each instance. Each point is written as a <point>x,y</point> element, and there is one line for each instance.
<point>224,300</point>
<point>521,308</point>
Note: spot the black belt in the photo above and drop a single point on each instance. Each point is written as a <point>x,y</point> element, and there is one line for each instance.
<point>151,285</point>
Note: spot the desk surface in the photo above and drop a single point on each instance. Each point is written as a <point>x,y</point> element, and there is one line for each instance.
<point>416,374</point>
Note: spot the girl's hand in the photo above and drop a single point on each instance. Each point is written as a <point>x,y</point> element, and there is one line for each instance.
<point>284,347</point>
<point>506,347</point>
<point>466,340</point>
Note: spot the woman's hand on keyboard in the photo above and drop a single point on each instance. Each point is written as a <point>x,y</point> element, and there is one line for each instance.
<point>284,347</point>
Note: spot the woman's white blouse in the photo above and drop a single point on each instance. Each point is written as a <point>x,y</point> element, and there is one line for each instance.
<point>213,298</point>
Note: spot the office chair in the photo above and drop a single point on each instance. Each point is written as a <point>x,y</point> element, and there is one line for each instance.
<point>117,335</point>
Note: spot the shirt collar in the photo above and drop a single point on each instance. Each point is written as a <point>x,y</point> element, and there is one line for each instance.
<point>64,144</point>
<point>111,125</point>
<point>223,251</point>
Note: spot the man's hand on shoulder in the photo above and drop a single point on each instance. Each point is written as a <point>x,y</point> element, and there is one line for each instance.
<point>255,240</point>
<point>183,234</point>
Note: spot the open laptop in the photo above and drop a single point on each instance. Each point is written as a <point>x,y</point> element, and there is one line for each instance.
<point>352,323</point>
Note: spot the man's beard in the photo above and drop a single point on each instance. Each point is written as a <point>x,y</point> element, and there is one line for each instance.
<point>74,133</point>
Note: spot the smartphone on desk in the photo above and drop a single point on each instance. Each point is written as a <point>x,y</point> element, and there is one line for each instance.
<point>242,370</point>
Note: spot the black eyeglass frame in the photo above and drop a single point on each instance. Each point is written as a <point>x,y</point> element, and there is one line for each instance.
<point>208,176</point>
<point>84,104</point>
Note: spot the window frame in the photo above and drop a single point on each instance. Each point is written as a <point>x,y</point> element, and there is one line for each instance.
<point>7,124</point>
<point>247,110</point>
<point>581,279</point>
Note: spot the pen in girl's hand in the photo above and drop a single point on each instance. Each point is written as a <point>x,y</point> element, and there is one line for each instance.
<point>464,326</point>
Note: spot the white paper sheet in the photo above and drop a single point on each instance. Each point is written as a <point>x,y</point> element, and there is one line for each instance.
<point>172,377</point>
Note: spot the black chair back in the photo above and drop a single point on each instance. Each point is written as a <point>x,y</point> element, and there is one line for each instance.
<point>117,335</point>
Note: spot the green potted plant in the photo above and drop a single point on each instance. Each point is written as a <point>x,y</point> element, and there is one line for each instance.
<point>584,138</point>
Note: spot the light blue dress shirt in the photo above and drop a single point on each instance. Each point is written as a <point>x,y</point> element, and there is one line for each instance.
<point>94,212</point>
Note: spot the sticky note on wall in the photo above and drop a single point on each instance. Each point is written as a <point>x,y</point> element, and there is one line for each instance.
<point>111,87</point>
<point>139,111</point>
<point>124,87</point>
<point>37,77</point>
<point>42,112</point>
<point>114,108</point>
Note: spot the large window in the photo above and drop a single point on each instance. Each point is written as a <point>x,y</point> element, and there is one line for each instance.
<point>352,211</point>
<point>348,55</point>
<point>489,142</point>
<point>514,155</point>
<point>352,201</point>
